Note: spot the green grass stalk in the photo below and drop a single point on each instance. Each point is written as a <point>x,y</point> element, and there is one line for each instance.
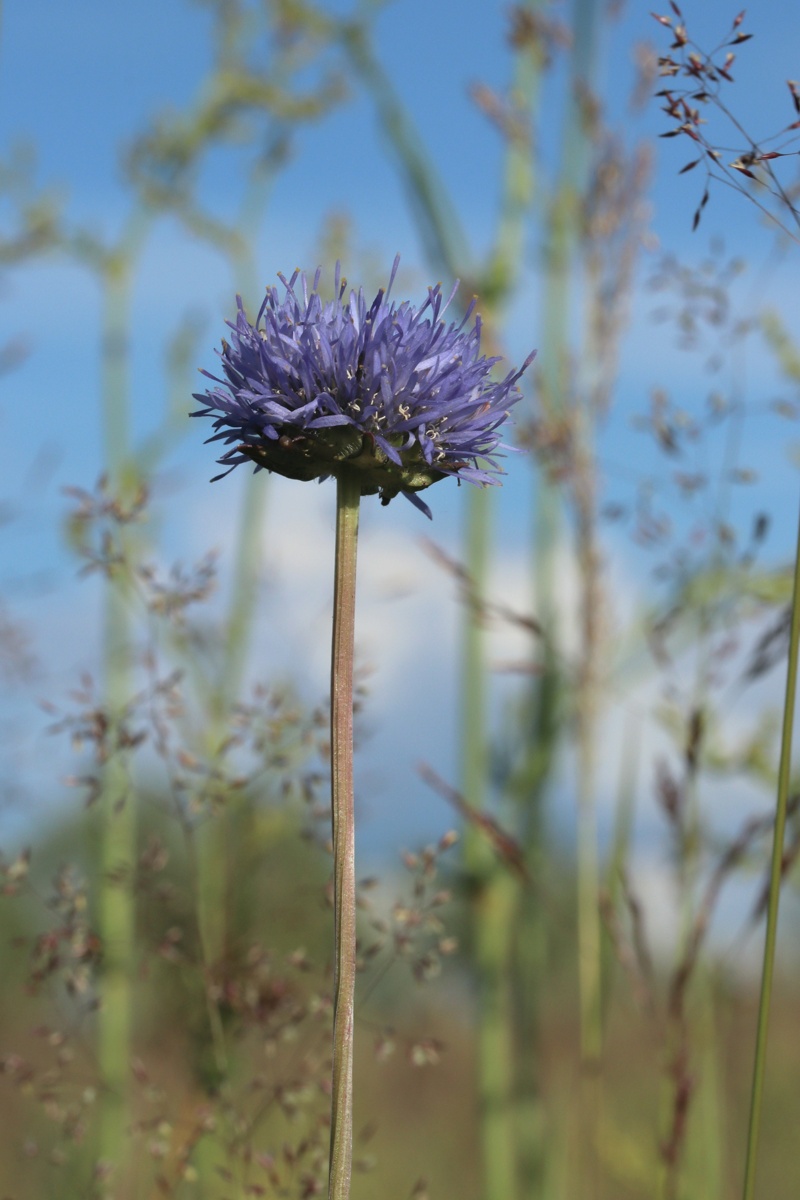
<point>541,733</point>
<point>776,875</point>
<point>348,497</point>
<point>528,984</point>
<point>117,909</point>
<point>438,222</point>
<point>494,914</point>
<point>217,841</point>
<point>494,892</point>
<point>118,848</point>
<point>508,934</point>
<point>589,930</point>
<point>561,260</point>
<point>542,729</point>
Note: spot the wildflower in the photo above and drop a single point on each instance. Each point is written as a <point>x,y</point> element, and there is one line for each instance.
<point>390,392</point>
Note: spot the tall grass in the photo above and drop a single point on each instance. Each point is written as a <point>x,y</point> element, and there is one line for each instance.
<point>116,900</point>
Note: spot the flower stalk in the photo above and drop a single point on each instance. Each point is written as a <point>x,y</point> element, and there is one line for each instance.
<point>387,399</point>
<point>348,496</point>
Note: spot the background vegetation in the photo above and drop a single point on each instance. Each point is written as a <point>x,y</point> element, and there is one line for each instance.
<point>569,701</point>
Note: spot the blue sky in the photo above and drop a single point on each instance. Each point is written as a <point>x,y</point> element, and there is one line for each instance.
<point>78,81</point>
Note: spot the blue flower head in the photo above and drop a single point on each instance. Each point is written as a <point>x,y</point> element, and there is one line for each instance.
<point>391,392</point>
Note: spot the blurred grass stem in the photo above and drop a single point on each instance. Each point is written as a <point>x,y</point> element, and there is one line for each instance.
<point>561,257</point>
<point>776,875</point>
<point>348,496</point>
<point>217,846</point>
<point>495,897</point>
<point>589,928</point>
<point>118,852</point>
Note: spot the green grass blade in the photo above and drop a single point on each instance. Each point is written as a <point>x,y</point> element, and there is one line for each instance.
<point>776,874</point>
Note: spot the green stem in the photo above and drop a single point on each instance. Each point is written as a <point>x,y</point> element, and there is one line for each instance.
<point>216,841</point>
<point>495,912</point>
<point>444,240</point>
<point>774,888</point>
<point>495,893</point>
<point>118,853</point>
<point>116,915</point>
<point>218,838</point>
<point>561,260</point>
<point>508,254</point>
<point>586,708</point>
<point>543,733</point>
<point>348,496</point>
